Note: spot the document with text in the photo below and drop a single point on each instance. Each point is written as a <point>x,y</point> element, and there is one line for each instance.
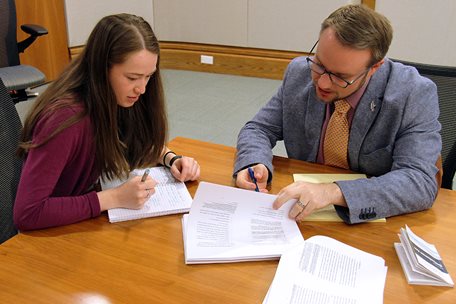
<point>171,196</point>
<point>323,270</point>
<point>228,224</point>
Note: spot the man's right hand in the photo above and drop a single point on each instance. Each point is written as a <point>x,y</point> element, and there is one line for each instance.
<point>244,181</point>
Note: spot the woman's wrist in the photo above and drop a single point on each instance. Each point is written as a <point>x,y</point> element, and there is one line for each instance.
<point>168,155</point>
<point>176,157</point>
<point>107,199</point>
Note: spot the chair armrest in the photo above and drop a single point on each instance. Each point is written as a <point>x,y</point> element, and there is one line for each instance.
<point>34,29</point>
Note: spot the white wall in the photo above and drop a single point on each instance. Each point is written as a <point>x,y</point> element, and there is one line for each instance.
<point>291,25</point>
<point>82,15</point>
<point>275,24</point>
<point>424,31</point>
<point>202,21</point>
<point>270,24</point>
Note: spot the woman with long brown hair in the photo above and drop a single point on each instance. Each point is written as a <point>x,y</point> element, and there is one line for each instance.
<point>104,116</point>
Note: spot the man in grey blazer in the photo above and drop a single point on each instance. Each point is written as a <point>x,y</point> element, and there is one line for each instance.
<point>394,130</point>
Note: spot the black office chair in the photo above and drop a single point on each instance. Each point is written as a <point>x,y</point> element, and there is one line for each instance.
<point>17,77</point>
<point>445,79</point>
<point>10,164</point>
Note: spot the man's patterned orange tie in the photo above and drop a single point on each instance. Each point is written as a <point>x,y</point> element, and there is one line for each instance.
<point>335,147</point>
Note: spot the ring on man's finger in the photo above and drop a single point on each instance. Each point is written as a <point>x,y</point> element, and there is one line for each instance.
<point>300,204</point>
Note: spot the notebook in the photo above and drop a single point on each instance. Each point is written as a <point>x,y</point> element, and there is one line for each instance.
<point>170,197</point>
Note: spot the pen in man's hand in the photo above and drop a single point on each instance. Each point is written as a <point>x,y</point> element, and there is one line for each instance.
<point>252,177</point>
<point>146,173</point>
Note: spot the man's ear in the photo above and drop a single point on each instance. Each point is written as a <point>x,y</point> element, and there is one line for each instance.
<point>376,66</point>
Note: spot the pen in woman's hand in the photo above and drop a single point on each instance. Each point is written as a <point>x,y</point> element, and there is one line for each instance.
<point>144,177</point>
<point>252,177</point>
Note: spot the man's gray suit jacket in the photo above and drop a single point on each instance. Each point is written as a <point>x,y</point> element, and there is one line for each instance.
<point>394,138</point>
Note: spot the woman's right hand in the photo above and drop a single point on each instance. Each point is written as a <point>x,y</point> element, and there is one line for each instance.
<point>131,195</point>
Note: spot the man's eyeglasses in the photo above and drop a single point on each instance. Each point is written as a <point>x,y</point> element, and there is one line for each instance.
<point>337,80</point>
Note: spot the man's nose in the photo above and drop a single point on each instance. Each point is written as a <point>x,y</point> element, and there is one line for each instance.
<point>324,81</point>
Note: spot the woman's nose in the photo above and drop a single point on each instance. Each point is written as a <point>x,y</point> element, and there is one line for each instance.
<point>140,89</point>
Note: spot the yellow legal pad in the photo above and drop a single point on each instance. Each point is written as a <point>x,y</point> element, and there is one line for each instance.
<point>328,214</point>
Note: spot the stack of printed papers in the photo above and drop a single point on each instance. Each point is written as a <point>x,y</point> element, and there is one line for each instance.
<point>227,224</point>
<point>323,270</point>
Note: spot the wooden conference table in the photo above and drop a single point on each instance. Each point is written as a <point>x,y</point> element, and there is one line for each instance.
<point>142,261</point>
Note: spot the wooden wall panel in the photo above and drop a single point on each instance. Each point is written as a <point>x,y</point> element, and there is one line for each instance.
<point>369,3</point>
<point>252,62</point>
<point>226,60</point>
<point>48,53</point>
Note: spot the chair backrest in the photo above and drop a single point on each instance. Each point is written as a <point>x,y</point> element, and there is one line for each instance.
<point>445,79</point>
<point>9,54</point>
<point>10,164</point>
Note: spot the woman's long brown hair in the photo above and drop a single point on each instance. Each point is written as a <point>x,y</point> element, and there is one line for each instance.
<point>125,138</point>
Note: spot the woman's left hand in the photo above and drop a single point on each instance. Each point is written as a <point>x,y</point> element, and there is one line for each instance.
<point>185,169</point>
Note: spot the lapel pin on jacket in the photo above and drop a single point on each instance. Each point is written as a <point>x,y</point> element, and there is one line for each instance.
<point>373,105</point>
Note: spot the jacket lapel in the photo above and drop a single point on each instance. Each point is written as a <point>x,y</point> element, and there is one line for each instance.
<point>315,116</point>
<point>366,113</point>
